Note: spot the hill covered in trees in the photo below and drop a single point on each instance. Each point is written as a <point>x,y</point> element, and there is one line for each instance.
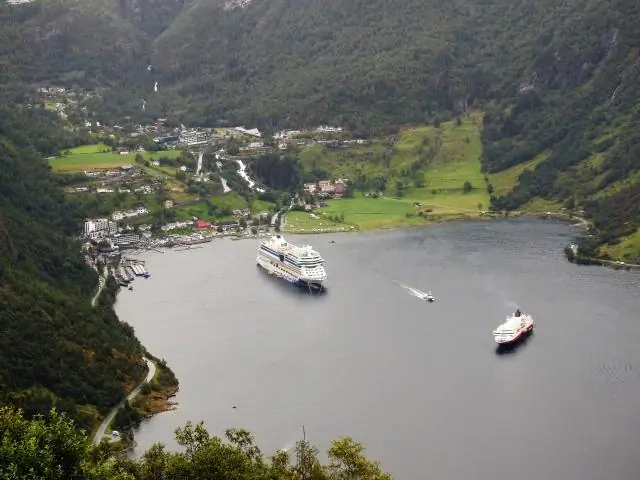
<point>557,82</point>
<point>55,348</point>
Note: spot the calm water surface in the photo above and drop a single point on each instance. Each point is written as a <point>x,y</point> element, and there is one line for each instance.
<point>419,384</point>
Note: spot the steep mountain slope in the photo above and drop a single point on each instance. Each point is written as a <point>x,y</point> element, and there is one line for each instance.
<point>91,43</point>
<point>557,80</point>
<point>55,349</point>
<point>371,60</point>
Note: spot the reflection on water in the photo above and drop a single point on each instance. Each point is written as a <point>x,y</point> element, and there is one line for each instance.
<point>419,384</point>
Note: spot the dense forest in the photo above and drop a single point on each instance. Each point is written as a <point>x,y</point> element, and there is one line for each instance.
<point>55,349</point>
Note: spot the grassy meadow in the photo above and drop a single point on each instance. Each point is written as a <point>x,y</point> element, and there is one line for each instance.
<point>230,201</point>
<point>626,250</point>
<point>99,156</point>
<point>453,157</point>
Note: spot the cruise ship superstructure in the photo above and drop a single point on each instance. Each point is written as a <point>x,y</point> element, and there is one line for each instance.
<point>514,328</point>
<point>301,265</point>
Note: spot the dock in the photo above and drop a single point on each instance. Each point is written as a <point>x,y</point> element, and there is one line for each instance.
<point>134,268</point>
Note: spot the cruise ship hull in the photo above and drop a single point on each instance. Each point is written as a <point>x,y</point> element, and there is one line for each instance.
<point>513,339</point>
<point>279,270</point>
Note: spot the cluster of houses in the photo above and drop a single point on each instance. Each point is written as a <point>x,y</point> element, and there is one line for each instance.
<point>134,212</point>
<point>104,229</point>
<point>327,188</point>
<point>124,170</point>
<point>202,136</point>
<point>143,189</point>
<point>96,228</point>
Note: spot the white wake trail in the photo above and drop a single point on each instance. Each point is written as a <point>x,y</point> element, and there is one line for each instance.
<point>413,291</point>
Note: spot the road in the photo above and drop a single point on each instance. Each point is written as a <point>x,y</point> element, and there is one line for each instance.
<point>102,281</point>
<point>100,434</point>
<point>618,265</point>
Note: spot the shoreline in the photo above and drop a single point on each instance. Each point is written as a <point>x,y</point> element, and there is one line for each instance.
<point>100,433</point>
<point>572,219</point>
<point>158,401</point>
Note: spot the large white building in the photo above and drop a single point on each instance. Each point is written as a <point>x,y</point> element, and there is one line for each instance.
<point>194,137</point>
<point>99,227</point>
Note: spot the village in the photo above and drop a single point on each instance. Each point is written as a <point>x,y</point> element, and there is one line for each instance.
<point>165,184</point>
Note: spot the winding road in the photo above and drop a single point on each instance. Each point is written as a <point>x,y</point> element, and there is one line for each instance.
<point>100,433</point>
<point>102,281</point>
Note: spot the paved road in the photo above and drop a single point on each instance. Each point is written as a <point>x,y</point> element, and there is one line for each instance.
<point>100,434</point>
<point>616,264</point>
<point>102,281</point>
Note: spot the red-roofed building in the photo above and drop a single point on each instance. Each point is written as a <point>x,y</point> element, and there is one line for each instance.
<point>340,191</point>
<point>202,224</point>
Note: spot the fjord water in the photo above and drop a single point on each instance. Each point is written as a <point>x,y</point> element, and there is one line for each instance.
<point>419,384</point>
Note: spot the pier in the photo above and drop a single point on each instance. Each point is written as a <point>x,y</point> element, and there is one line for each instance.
<point>129,269</point>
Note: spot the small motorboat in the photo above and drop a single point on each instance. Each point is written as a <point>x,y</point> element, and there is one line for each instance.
<point>429,297</point>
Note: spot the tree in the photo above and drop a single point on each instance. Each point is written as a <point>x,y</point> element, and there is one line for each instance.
<point>51,449</point>
<point>347,462</point>
<point>399,188</point>
<point>467,187</point>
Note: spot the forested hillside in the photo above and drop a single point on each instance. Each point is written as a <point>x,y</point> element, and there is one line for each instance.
<point>96,43</point>
<point>55,349</point>
<point>557,81</point>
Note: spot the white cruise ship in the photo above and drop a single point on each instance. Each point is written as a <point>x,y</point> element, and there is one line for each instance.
<point>301,265</point>
<point>514,328</point>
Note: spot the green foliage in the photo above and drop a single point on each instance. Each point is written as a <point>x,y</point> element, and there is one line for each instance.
<point>55,349</point>
<point>556,80</point>
<point>278,171</point>
<point>52,449</point>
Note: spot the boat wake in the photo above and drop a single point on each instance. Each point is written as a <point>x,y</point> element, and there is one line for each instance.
<point>412,291</point>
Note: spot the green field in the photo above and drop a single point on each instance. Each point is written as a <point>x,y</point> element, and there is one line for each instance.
<point>258,206</point>
<point>346,162</point>
<point>94,157</point>
<point>368,213</point>
<point>231,201</point>
<point>450,157</point>
<point>627,250</point>
<point>303,222</point>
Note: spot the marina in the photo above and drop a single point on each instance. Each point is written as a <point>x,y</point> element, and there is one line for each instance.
<point>128,269</point>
